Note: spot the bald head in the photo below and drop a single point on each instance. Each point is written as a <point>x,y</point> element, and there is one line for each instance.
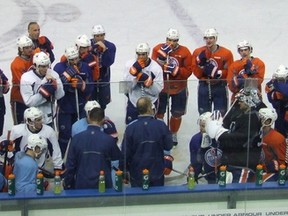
<point>144,106</point>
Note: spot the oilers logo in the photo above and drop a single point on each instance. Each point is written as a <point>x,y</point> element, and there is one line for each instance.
<point>212,156</point>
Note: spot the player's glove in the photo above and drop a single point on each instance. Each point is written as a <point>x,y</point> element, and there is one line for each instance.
<point>68,74</point>
<point>6,145</point>
<point>137,67</point>
<point>211,70</point>
<point>145,79</point>
<point>214,126</point>
<point>48,89</point>
<point>4,82</point>
<point>272,166</point>
<point>78,82</point>
<point>248,68</point>
<point>201,59</point>
<point>206,141</point>
<point>164,51</point>
<point>168,164</point>
<point>171,68</point>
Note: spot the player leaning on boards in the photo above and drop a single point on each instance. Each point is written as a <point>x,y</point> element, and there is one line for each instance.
<point>175,60</point>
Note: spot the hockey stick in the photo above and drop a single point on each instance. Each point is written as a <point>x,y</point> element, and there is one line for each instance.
<point>6,154</point>
<point>46,173</point>
<point>77,103</point>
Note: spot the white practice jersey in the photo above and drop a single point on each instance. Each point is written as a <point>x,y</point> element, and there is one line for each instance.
<point>29,87</point>
<point>22,132</point>
<point>139,90</point>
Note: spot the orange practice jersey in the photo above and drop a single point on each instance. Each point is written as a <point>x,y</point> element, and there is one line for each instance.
<point>222,56</point>
<point>274,147</point>
<point>18,67</point>
<point>179,82</point>
<point>238,67</point>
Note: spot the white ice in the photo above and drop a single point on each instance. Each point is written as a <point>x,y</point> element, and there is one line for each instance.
<point>264,23</point>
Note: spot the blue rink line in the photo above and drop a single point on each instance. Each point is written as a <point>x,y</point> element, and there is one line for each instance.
<point>138,191</point>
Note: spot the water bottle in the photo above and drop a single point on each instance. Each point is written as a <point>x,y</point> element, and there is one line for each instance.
<point>282,174</point>
<point>118,180</point>
<point>57,183</point>
<point>191,178</point>
<point>259,175</point>
<point>101,183</point>
<point>222,176</point>
<point>11,185</point>
<point>145,179</point>
<point>40,184</point>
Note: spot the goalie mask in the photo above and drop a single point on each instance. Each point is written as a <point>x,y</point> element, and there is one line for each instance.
<point>266,114</point>
<point>249,97</point>
<point>37,144</point>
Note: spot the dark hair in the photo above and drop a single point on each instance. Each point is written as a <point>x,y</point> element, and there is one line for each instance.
<point>32,23</point>
<point>96,114</point>
<point>143,105</point>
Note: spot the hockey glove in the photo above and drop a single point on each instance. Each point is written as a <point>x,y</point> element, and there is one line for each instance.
<point>78,82</point>
<point>47,89</point>
<point>211,70</point>
<point>238,81</point>
<point>168,165</point>
<point>164,51</point>
<point>206,141</point>
<point>171,68</point>
<point>272,166</point>
<point>137,67</point>
<point>67,75</point>
<point>201,59</point>
<point>4,82</point>
<point>214,128</point>
<point>145,79</point>
<point>248,68</point>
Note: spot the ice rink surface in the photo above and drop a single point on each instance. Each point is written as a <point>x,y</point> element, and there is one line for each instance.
<point>262,22</point>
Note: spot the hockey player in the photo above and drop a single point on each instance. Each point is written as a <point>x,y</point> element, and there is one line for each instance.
<point>146,79</point>
<point>4,88</point>
<point>105,51</point>
<point>246,67</point>
<point>19,66</point>
<point>33,125</point>
<point>108,126</point>
<point>210,65</point>
<point>90,152</point>
<point>277,93</point>
<point>40,43</point>
<point>143,146</point>
<point>75,76</point>
<point>273,145</point>
<point>204,154</point>
<point>175,60</point>
<point>41,86</point>
<point>241,153</point>
<point>25,166</point>
<point>83,43</point>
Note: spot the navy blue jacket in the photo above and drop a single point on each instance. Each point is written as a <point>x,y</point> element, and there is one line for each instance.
<point>90,152</point>
<point>143,147</point>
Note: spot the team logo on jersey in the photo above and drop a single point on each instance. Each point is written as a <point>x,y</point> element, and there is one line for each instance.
<point>213,156</point>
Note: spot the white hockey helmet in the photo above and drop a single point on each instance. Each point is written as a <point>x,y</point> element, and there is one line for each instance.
<point>203,117</point>
<point>266,114</point>
<point>35,140</point>
<point>90,105</point>
<point>32,113</point>
<point>173,34</point>
<point>281,72</point>
<point>82,41</point>
<point>98,29</point>
<point>41,58</point>
<point>143,48</point>
<point>211,32</point>
<point>24,41</point>
<point>71,52</point>
<point>244,44</point>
